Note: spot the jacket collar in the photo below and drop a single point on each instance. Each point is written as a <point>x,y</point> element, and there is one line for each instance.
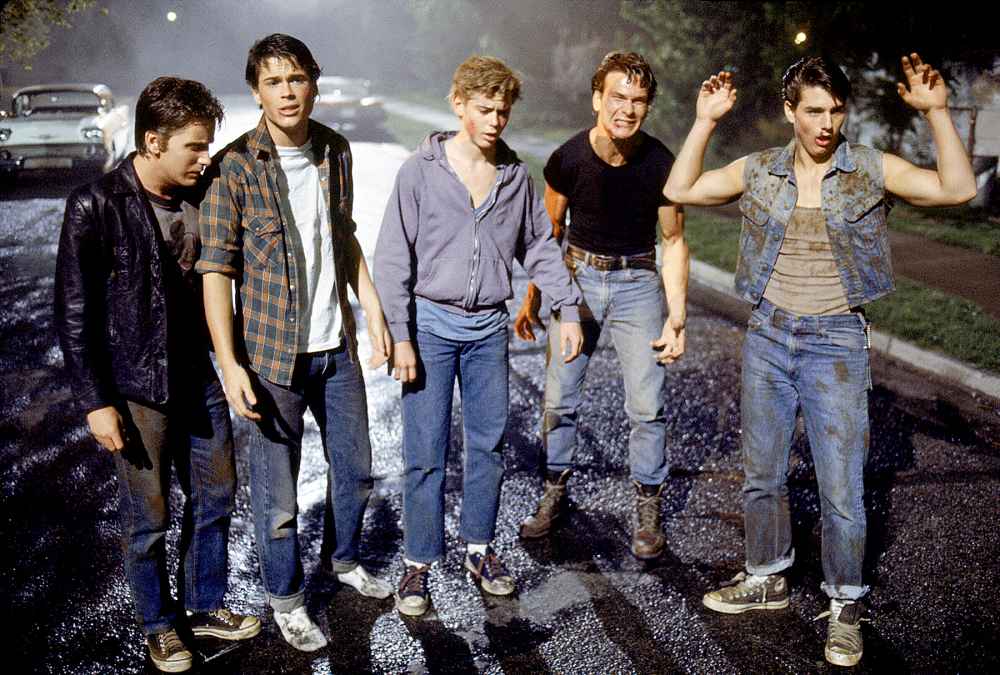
<point>123,180</point>
<point>784,163</point>
<point>432,148</point>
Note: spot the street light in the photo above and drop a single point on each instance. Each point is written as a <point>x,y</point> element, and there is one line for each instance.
<point>800,37</point>
<point>171,16</point>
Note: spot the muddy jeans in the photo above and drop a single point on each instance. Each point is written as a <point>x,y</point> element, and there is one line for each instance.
<point>818,365</point>
<point>629,303</point>
<point>194,435</point>
<point>330,385</point>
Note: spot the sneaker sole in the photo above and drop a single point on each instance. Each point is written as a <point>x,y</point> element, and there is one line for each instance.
<point>488,585</point>
<point>409,610</point>
<point>647,556</point>
<point>171,666</point>
<point>223,634</point>
<point>727,608</point>
<point>839,659</point>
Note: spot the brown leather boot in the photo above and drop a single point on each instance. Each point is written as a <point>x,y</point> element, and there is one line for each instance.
<point>550,507</point>
<point>648,540</point>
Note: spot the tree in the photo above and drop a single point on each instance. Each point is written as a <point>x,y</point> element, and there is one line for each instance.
<point>687,40</point>
<point>25,26</point>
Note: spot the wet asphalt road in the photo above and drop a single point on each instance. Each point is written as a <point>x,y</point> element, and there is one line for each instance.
<point>584,604</point>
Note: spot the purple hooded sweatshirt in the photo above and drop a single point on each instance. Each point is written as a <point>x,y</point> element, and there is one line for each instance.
<point>431,245</point>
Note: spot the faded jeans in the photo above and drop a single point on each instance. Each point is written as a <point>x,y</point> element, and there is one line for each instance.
<point>193,434</point>
<point>481,367</point>
<point>629,303</point>
<point>331,386</point>
<point>818,364</point>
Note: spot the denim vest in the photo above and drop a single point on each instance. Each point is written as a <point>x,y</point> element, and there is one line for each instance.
<point>854,203</point>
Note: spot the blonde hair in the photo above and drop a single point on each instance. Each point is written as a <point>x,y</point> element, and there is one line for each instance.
<point>485,75</point>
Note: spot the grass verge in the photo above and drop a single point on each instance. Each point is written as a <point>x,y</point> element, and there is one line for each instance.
<point>963,226</point>
<point>916,313</point>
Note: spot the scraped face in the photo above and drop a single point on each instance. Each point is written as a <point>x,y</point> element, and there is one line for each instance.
<point>483,117</point>
<point>621,106</point>
<point>817,121</point>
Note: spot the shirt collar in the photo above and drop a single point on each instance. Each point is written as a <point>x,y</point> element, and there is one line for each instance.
<point>784,163</point>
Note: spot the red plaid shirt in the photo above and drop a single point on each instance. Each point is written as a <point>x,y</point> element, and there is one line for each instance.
<point>243,236</point>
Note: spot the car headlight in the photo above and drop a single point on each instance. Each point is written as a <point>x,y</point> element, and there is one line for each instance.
<point>92,134</point>
<point>5,134</point>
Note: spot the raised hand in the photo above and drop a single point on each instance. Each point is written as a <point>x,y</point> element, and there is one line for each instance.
<point>716,96</point>
<point>924,89</point>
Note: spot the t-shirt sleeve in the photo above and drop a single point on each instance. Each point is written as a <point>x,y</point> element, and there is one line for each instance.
<point>555,171</point>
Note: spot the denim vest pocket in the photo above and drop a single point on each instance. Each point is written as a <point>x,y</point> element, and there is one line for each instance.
<point>753,235</point>
<point>866,221</point>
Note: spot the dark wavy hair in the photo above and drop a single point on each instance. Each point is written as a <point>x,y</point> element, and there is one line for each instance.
<point>170,103</point>
<point>280,46</point>
<point>636,68</point>
<point>814,71</point>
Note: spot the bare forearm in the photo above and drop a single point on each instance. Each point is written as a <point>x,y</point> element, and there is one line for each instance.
<point>367,295</point>
<point>688,166</point>
<point>218,294</point>
<point>674,273</point>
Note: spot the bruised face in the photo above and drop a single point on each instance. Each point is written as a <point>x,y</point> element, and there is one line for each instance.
<point>621,106</point>
<point>483,117</point>
<point>180,158</point>
<point>286,94</point>
<point>817,120</point>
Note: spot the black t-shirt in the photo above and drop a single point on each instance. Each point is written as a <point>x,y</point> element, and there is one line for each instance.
<point>613,209</point>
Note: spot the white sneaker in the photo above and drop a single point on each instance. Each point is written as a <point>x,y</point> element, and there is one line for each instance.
<point>364,583</point>
<point>299,630</point>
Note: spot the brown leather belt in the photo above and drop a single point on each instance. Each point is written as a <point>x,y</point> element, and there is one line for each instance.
<point>607,263</point>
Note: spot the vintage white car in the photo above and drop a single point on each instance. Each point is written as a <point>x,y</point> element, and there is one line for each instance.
<point>63,126</point>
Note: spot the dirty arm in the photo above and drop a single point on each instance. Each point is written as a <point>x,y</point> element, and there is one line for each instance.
<point>674,273</point>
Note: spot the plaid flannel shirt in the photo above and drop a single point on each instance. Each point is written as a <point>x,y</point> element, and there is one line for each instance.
<point>243,236</point>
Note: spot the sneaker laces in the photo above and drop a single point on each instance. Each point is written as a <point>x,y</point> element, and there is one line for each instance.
<point>492,567</point>
<point>844,634</point>
<point>169,642</point>
<point>744,584</point>
<point>223,615</point>
<point>414,582</point>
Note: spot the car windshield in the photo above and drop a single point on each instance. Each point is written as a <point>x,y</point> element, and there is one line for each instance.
<point>58,101</point>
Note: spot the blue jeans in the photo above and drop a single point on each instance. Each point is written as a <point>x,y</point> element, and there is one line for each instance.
<point>818,365</point>
<point>630,303</point>
<point>193,433</point>
<point>481,369</point>
<point>330,385</point>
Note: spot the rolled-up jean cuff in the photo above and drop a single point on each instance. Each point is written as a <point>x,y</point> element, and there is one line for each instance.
<point>286,603</point>
<point>341,567</point>
<point>844,592</point>
<point>153,629</point>
<point>775,567</point>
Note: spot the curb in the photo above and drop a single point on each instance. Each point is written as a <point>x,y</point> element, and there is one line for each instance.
<point>916,357</point>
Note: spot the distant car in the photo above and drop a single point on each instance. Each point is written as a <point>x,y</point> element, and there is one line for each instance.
<point>63,126</point>
<point>346,104</point>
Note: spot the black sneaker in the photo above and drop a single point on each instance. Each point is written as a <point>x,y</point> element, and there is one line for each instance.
<point>167,652</point>
<point>489,571</point>
<point>223,624</point>
<point>412,597</point>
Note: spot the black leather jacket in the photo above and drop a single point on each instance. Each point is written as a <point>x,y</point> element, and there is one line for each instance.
<point>112,296</point>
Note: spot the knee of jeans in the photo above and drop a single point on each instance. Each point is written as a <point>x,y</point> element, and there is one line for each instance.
<point>282,523</point>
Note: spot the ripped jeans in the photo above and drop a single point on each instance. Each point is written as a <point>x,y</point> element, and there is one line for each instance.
<point>818,364</point>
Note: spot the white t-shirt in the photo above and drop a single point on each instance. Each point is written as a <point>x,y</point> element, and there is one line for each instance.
<point>311,240</point>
